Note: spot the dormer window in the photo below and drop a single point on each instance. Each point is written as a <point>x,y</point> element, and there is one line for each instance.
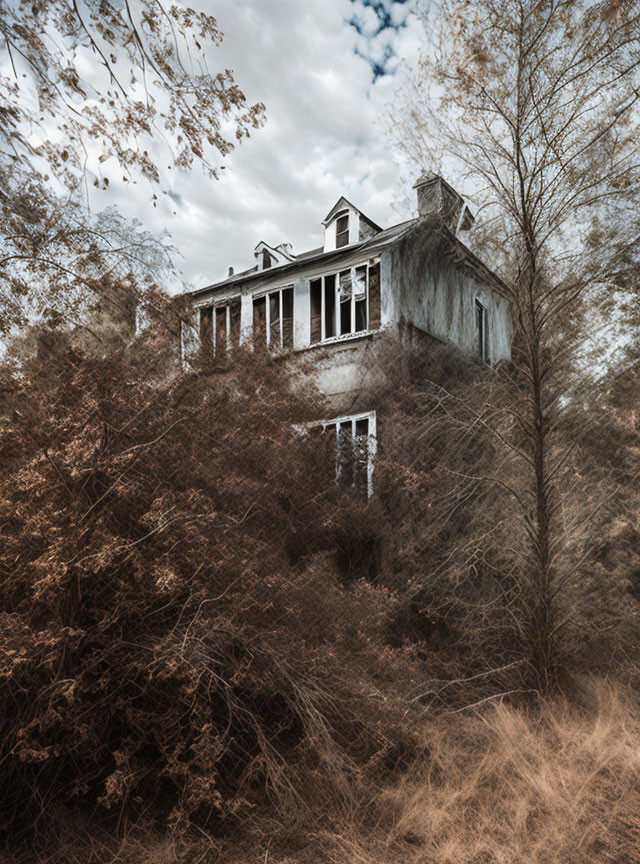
<point>345,225</point>
<point>266,260</point>
<point>342,230</point>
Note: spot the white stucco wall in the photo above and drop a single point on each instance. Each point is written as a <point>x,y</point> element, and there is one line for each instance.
<point>437,293</point>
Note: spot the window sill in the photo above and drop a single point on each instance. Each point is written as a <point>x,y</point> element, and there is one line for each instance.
<point>339,340</point>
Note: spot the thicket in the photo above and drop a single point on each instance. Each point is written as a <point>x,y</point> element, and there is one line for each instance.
<point>204,639</point>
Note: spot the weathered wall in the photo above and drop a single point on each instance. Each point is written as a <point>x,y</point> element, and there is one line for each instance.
<point>343,372</point>
<point>433,289</point>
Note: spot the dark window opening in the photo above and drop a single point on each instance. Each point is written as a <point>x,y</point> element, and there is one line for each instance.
<point>266,260</point>
<point>374,296</point>
<point>345,454</point>
<point>316,310</point>
<point>287,318</point>
<point>346,292</point>
<point>361,454</point>
<point>235,323</point>
<point>221,332</point>
<point>482,334</point>
<point>342,231</point>
<point>259,319</point>
<point>329,306</point>
<point>345,303</point>
<point>354,452</point>
<point>274,318</point>
<point>206,332</point>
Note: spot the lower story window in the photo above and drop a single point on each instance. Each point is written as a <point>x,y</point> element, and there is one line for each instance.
<point>355,449</point>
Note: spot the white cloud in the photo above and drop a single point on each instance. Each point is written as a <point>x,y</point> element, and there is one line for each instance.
<point>324,136</point>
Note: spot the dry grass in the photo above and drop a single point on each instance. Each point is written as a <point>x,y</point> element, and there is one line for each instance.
<point>557,784</point>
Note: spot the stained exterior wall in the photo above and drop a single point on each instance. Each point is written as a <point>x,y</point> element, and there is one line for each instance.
<point>422,283</point>
<point>435,291</point>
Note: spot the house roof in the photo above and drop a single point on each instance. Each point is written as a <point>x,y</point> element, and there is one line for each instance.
<point>385,238</point>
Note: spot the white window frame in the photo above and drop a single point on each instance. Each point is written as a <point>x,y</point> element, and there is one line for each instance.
<point>226,305</point>
<point>324,339</point>
<point>267,294</point>
<point>372,440</point>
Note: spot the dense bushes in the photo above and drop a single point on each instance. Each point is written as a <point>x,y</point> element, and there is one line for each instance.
<point>203,638</point>
<point>178,645</point>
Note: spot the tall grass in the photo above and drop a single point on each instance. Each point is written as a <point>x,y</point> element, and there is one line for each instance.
<point>554,784</point>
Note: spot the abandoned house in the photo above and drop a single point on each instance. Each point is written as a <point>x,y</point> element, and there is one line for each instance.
<point>414,278</point>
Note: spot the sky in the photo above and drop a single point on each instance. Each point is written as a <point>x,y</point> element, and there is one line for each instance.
<point>325,70</point>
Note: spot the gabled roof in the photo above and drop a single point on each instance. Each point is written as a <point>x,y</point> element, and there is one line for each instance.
<point>342,204</point>
<point>276,251</point>
<point>443,237</point>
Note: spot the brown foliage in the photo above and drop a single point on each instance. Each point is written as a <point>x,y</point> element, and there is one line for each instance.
<point>177,644</point>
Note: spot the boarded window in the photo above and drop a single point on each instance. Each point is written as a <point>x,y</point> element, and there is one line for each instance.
<point>342,231</point>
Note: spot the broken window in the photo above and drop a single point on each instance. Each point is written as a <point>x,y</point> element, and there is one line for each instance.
<point>341,303</point>
<point>482,334</point>
<point>355,439</point>
<point>273,318</point>
<point>342,230</point>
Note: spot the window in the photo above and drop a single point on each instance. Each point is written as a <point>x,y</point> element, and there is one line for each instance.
<point>220,329</point>
<point>342,230</point>
<point>273,318</point>
<point>345,303</point>
<point>482,333</point>
<point>356,444</point>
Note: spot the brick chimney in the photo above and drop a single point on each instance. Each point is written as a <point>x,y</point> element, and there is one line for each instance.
<point>437,198</point>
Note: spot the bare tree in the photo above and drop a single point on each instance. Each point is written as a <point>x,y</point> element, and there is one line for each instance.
<point>534,105</point>
<point>89,91</point>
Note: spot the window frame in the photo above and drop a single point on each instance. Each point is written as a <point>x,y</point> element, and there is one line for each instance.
<point>372,441</point>
<point>225,304</point>
<point>335,275</point>
<point>266,294</point>
<point>343,214</point>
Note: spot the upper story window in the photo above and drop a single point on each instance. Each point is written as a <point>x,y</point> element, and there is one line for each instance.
<point>273,318</point>
<point>220,328</point>
<point>345,303</point>
<point>342,229</point>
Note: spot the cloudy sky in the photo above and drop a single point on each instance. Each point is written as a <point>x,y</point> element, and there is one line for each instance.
<point>325,69</point>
